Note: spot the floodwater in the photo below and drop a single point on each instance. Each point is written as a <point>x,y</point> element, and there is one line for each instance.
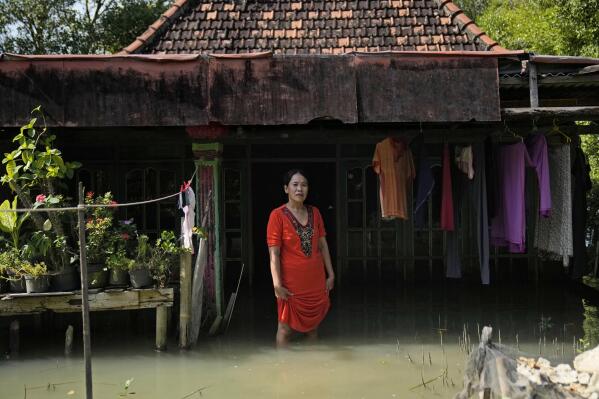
<point>375,343</point>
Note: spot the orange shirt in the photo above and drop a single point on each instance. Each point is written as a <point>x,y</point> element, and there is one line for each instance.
<point>394,164</point>
<point>302,267</point>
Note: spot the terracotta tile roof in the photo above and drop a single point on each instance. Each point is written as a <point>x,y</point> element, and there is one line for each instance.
<point>311,27</point>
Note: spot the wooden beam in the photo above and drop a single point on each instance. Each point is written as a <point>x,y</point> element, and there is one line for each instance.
<point>571,113</point>
<point>18,304</point>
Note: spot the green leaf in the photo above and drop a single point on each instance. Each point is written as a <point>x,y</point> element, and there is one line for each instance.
<point>53,200</point>
<point>10,169</point>
<point>8,220</point>
<point>47,225</point>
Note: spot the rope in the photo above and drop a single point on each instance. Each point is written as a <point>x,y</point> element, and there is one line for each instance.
<point>84,206</point>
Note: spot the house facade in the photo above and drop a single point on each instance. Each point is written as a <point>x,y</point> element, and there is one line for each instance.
<point>240,92</point>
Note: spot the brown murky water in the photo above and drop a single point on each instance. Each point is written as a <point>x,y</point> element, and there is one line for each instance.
<point>376,343</point>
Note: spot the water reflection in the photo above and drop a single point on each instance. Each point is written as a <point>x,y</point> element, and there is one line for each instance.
<point>376,343</point>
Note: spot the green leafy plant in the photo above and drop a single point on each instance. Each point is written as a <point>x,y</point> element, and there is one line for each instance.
<point>99,242</point>
<point>10,263</point>
<point>119,261</point>
<point>36,166</point>
<point>163,256</point>
<point>142,252</point>
<point>11,222</point>
<point>33,269</point>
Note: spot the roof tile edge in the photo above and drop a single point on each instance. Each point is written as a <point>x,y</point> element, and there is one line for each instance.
<point>170,14</point>
<point>468,26</point>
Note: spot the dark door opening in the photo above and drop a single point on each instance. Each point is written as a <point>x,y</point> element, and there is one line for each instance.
<point>267,194</point>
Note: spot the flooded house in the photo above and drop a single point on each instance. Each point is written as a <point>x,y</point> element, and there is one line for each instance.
<point>237,93</point>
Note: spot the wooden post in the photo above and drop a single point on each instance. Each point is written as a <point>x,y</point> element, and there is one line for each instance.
<point>13,338</point>
<point>185,278</point>
<point>68,341</point>
<point>87,355</point>
<point>533,85</point>
<point>218,266</point>
<point>161,327</point>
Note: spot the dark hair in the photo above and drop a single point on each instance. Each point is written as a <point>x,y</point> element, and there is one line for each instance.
<point>287,177</point>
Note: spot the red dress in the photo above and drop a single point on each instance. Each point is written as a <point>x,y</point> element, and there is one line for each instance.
<point>302,267</point>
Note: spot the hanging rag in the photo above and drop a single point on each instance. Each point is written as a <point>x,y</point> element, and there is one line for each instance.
<point>186,208</point>
<point>453,260</point>
<point>479,199</point>
<point>393,163</point>
<point>491,182</point>
<point>553,235</point>
<point>536,146</point>
<point>425,183</point>
<point>446,194</point>
<point>463,160</point>
<point>508,225</point>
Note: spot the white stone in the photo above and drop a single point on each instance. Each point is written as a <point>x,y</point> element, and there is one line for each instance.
<point>588,361</point>
<point>584,378</point>
<point>594,395</point>
<point>543,363</point>
<point>532,375</point>
<point>563,374</point>
<point>594,384</point>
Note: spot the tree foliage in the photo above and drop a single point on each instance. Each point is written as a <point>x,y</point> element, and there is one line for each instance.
<point>568,27</point>
<point>74,26</point>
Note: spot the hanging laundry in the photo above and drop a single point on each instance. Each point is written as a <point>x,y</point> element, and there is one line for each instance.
<point>453,260</point>
<point>187,210</point>
<point>393,163</point>
<point>476,192</point>
<point>554,234</point>
<point>491,177</point>
<point>479,199</point>
<point>463,160</point>
<point>581,184</point>
<point>425,183</point>
<point>536,146</point>
<point>509,224</point>
<point>446,194</point>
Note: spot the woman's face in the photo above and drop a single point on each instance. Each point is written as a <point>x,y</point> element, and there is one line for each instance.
<point>297,189</point>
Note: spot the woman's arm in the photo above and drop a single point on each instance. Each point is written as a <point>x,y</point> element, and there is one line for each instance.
<point>326,256</point>
<point>275,270</point>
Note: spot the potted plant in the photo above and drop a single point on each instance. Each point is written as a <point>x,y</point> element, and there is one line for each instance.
<point>164,256</point>
<point>98,238</point>
<point>10,264</point>
<point>36,276</point>
<point>118,266</point>
<point>139,271</point>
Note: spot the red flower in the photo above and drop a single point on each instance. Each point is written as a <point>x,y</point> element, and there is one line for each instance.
<point>113,203</point>
<point>89,195</point>
<point>40,198</point>
<point>125,236</point>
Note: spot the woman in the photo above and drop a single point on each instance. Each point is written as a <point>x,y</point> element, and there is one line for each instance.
<point>299,255</point>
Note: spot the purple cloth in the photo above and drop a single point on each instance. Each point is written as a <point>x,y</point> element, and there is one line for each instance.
<point>537,150</point>
<point>509,224</point>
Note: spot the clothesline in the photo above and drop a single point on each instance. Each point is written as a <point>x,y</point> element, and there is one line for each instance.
<point>89,206</point>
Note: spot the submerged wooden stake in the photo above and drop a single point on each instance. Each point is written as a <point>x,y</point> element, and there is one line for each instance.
<point>13,340</point>
<point>68,341</point>
<point>185,305</point>
<point>161,327</point>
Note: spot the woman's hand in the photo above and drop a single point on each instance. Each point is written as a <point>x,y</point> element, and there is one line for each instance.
<point>282,292</point>
<point>330,283</point>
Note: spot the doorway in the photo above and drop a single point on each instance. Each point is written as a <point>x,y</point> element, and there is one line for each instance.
<point>267,194</point>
